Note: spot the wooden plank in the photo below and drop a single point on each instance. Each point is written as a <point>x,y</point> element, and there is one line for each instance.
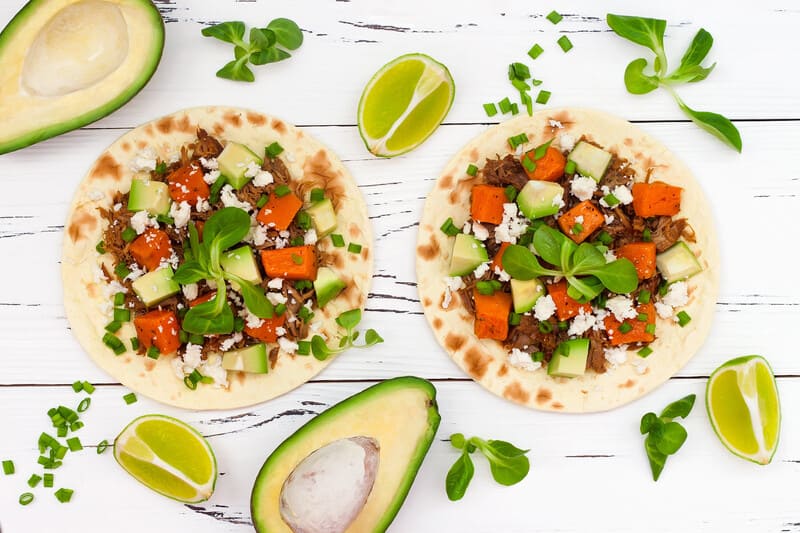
<point>596,463</point>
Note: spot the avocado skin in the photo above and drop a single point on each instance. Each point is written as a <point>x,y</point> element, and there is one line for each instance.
<point>51,130</point>
<point>352,402</point>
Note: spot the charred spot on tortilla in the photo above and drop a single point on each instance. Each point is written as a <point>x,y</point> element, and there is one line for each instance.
<point>430,251</point>
<point>426,301</point>
<point>218,129</point>
<point>107,166</point>
<point>256,119</point>
<point>126,146</point>
<point>446,182</point>
<point>437,323</point>
<point>543,395</point>
<point>473,154</point>
<point>503,371</point>
<point>82,224</point>
<point>557,405</point>
<point>279,126</point>
<point>454,342</point>
<point>516,393</point>
<point>354,231</point>
<point>234,119</point>
<point>627,385</point>
<point>477,362</point>
<point>318,172</point>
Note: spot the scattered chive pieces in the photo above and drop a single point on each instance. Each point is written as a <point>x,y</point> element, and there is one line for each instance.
<point>75,426</point>
<point>514,108</point>
<point>25,498</point>
<point>683,318</point>
<point>526,100</point>
<point>101,247</point>
<point>563,325</point>
<point>518,71</point>
<point>77,386</point>
<point>517,140</point>
<point>545,326</point>
<point>129,398</point>
<point>569,168</point>
<point>511,193</point>
<point>161,168</point>
<point>84,405</point>
<point>282,190</point>
<point>650,328</point>
<point>64,495</point>
<point>262,201</point>
<point>611,200</point>
<point>303,347</point>
<point>538,357</point>
<point>354,248</point>
<point>641,317</point>
<point>564,43</point>
<point>153,353</point>
<point>543,97</point>
<point>505,105</point>
<point>644,352</point>
<point>34,480</point>
<point>113,326</point>
<point>296,259</point>
<point>122,270</point>
<point>48,480</point>
<point>280,309</point>
<point>101,447</point>
<point>122,315</point>
<point>134,343</point>
<point>273,150</point>
<point>8,467</point>
<point>490,108</point>
<point>644,297</point>
<point>647,235</point>
<point>529,165</point>
<point>62,431</point>
<point>520,85</point>
<point>128,234</point>
<point>535,51</point>
<point>119,298</point>
<point>577,228</point>
<point>535,82</point>
<point>554,17</point>
<point>317,195</point>
<point>74,444</point>
<point>514,319</point>
<point>605,238</point>
<point>472,170</point>
<point>338,240</point>
<point>625,327</point>
<point>304,314</point>
<point>165,219</point>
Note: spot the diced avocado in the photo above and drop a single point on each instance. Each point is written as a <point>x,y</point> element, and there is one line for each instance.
<point>397,418</point>
<point>251,359</point>
<point>241,262</point>
<point>539,199</point>
<point>67,63</point>
<point>233,163</point>
<point>327,285</point>
<point>525,294</point>
<point>150,196</point>
<point>468,253</point>
<point>590,160</point>
<point>156,286</point>
<point>678,262</point>
<point>323,216</point>
<point>569,359</point>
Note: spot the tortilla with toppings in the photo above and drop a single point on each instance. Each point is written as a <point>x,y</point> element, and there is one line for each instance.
<point>202,202</point>
<point>568,261</point>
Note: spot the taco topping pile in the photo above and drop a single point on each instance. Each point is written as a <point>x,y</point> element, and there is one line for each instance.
<point>215,260</point>
<point>567,259</point>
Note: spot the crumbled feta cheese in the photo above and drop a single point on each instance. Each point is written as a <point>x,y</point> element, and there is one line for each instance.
<point>251,320</point>
<point>280,331</point>
<point>209,164</point>
<point>310,237</point>
<point>623,194</point>
<point>555,124</point>
<point>467,228</point>
<point>610,257</point>
<point>202,205</point>
<point>275,284</point>
<point>252,170</point>
<point>228,343</point>
<point>600,317</point>
<point>276,298</point>
<point>213,369</point>
<point>257,234</point>
<point>519,359</point>
<point>211,284</point>
<point>609,219</point>
<point>140,220</point>
<point>229,199</point>
<point>192,357</point>
<point>190,291</point>
<point>677,295</point>
<point>545,308</point>
<point>583,188</point>
<point>621,307</point>
<point>581,323</point>
<point>281,243</point>
<point>512,226</point>
<point>451,285</point>
<point>211,177</point>
<point>96,195</point>
<point>566,141</point>
<point>664,311</point>
<point>286,345</point>
<point>177,367</point>
<point>579,219</point>
<point>616,355</point>
<point>171,261</point>
<point>144,161</point>
<point>480,270</point>
<point>180,213</point>
<point>558,201</point>
<point>502,274</point>
<point>480,231</point>
<point>136,272</point>
<point>263,178</point>
<point>117,206</point>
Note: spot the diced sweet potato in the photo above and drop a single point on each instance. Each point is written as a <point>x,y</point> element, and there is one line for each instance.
<point>642,255</point>
<point>487,203</point>
<point>638,328</point>
<point>656,199</point>
<point>566,307</point>
<point>581,221</point>
<point>158,328</point>
<point>491,315</point>
<point>150,248</point>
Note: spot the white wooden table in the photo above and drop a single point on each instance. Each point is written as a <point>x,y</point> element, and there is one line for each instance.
<point>589,472</point>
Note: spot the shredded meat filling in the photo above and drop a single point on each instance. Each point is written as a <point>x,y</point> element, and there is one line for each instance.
<point>504,172</point>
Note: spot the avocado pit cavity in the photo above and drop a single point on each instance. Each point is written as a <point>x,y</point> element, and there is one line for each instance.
<point>328,489</point>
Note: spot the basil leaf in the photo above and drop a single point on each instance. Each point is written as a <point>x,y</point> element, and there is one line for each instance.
<point>459,477</point>
<point>237,71</point>
<point>715,124</point>
<point>587,257</point>
<point>644,31</point>
<point>270,55</point>
<point>287,32</point>
<point>669,438</point>
<point>648,421</point>
<point>372,338</point>
<point>349,319</point>
<point>205,318</point>
<point>230,32</point>
<point>584,289</point>
<point>547,243</point>
<point>502,448</point>
<point>618,276</point>
<point>636,81</point>
<point>690,70</point>
<point>680,408</point>
<point>521,264</point>
<point>190,272</point>
<point>226,227</point>
<point>656,458</point>
<point>254,298</point>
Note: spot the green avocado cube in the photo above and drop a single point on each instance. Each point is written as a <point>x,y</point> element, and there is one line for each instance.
<point>468,253</point>
<point>150,196</point>
<point>252,359</point>
<point>525,294</point>
<point>233,163</point>
<point>327,286</point>
<point>323,216</point>
<point>539,199</point>
<point>569,359</point>
<point>241,262</point>
<point>590,160</point>
<point>156,286</point>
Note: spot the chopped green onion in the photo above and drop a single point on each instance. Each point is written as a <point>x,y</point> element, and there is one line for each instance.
<point>64,495</point>
<point>569,168</point>
<point>101,247</point>
<point>113,342</point>
<point>88,387</point>
<point>564,43</point>
<point>518,139</point>
<point>152,352</point>
<point>303,348</point>
<point>129,234</point>
<point>518,71</point>
<point>62,431</point>
<point>545,327</point>
<point>643,297</point>
<point>642,317</point>
<point>25,498</point>
<point>520,85</point>
<point>165,219</point>
<point>486,288</point>
<point>600,301</point>
<point>535,82</point>
<point>195,376</point>
<point>305,314</point>
<point>207,380</point>
<point>216,188</point>
<point>101,447</point>
<point>296,259</point>
<point>34,480</point>
<point>543,97</point>
<point>514,318</point>
<point>505,105</point>
<point>304,221</point>
<point>644,352</point>
<point>280,309</point>
<point>84,405</point>
<point>354,248</point>
<point>77,386</point>
<point>625,327</point>
<point>122,270</point>
<point>647,235</point>
<point>525,99</point>
<point>490,108</point>
<point>448,228</point>
<point>610,200</point>
<point>527,162</point>
<point>303,284</point>
<point>119,299</point>
<point>297,241</point>
<point>189,383</point>
<point>554,17</point>
<point>122,315</point>
<point>262,201</point>
<point>129,398</point>
<point>650,328</point>
<point>134,344</point>
<point>161,168</point>
<point>273,150</point>
<point>8,467</point>
<point>511,193</point>
<point>535,51</point>
<point>75,426</point>
<point>48,480</point>
<point>338,240</point>
<point>683,318</point>
<point>113,326</point>
<point>605,238</point>
<point>317,195</point>
<point>74,444</point>
<point>472,170</point>
<point>514,108</point>
<point>282,190</point>
<point>563,325</point>
<point>537,357</point>
<point>577,229</point>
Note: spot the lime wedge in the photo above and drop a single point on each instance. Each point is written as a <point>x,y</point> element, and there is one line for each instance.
<point>744,409</point>
<point>169,457</point>
<point>404,103</point>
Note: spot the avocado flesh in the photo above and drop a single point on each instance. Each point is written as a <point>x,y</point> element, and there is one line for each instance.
<point>67,63</point>
<point>399,414</point>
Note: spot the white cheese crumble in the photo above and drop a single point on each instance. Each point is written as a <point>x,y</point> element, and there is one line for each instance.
<point>621,307</point>
<point>545,308</point>
<point>280,242</point>
<point>141,220</point>
<point>263,178</point>
<point>228,343</point>
<point>519,359</point>
<point>664,311</point>
<point>481,233</point>
<point>180,213</point>
<point>623,194</point>
<point>480,270</point>
<point>209,164</point>
<point>616,355</point>
<point>252,170</point>
<point>192,357</point>
<point>610,257</point>
<point>502,274</point>
<point>211,177</point>
<point>190,291</point>
<point>286,345</point>
<point>566,141</point>
<point>144,161</point>
<point>276,298</point>
<point>609,219</point>
<point>229,199</point>
<point>677,295</point>
<point>579,219</point>
<point>555,124</point>
<point>117,206</point>
<point>136,272</point>
<point>558,201</point>
<point>451,285</point>
<point>512,226</point>
<point>251,320</point>
<point>213,369</point>
<point>581,323</point>
<point>257,234</point>
<point>275,284</point>
<point>202,205</point>
<point>280,331</point>
<point>583,188</point>
<point>310,237</point>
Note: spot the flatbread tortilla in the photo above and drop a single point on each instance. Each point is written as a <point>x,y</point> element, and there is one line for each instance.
<point>87,298</point>
<point>486,360</point>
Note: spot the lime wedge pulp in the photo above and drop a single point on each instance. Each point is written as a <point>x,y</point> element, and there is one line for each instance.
<point>744,409</point>
<point>169,457</point>
<point>404,103</point>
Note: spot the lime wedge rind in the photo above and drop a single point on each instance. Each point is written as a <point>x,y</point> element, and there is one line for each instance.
<point>745,368</point>
<point>128,436</point>
<point>434,75</point>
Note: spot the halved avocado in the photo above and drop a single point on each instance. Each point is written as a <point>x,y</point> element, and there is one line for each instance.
<point>67,63</point>
<point>400,415</point>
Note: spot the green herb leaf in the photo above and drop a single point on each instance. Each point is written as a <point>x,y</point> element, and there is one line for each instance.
<point>636,81</point>
<point>505,449</point>
<point>212,317</point>
<point>349,319</point>
<point>190,272</point>
<point>644,31</point>
<point>506,469</point>
<point>548,244</point>
<point>587,257</point>
<point>690,70</point>
<point>319,348</point>
<point>228,226</point>
<point>680,408</point>
<point>458,440</point>
<point>372,338</point>
<point>521,264</point>
<point>656,458</point>
<point>230,32</point>
<point>237,70</point>
<point>669,438</point>
<point>270,55</point>
<point>254,298</point>
<point>648,421</point>
<point>287,33</point>
<point>459,477</point>
<point>584,289</point>
<point>715,124</point>
<point>618,276</point>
